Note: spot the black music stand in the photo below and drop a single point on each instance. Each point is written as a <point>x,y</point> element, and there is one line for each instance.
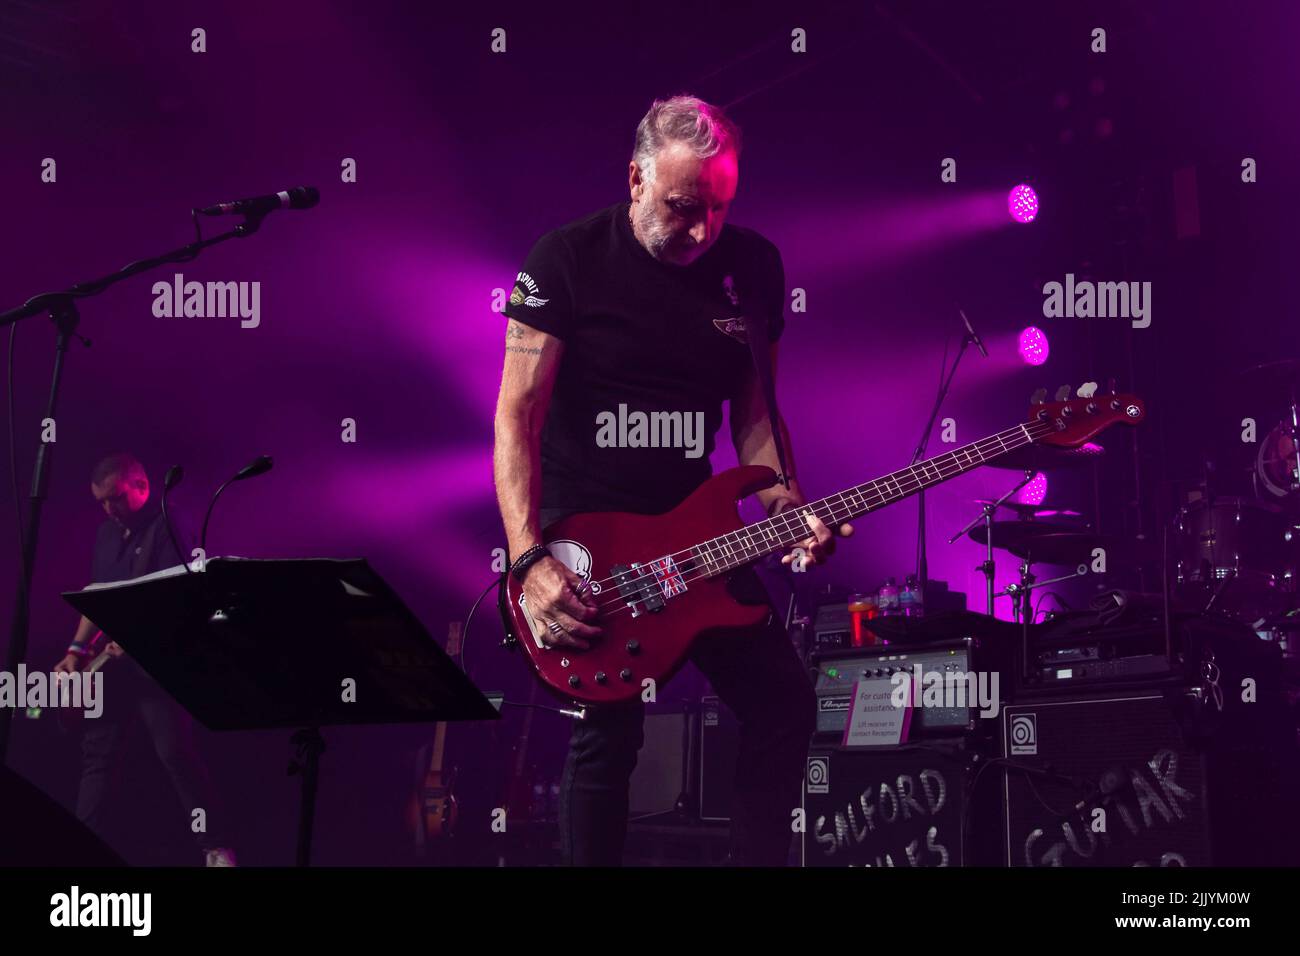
<point>262,644</point>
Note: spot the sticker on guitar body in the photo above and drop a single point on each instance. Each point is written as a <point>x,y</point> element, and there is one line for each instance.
<point>577,559</point>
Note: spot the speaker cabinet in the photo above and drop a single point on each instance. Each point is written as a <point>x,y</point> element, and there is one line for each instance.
<point>1134,779</point>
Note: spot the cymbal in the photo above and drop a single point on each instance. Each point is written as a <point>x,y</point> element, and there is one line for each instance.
<point>1047,457</point>
<point>1282,374</point>
<point>1077,547</point>
<point>1031,511</point>
<point>1009,533</point>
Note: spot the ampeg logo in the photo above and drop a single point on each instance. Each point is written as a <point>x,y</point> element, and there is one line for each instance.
<point>1024,734</point>
<point>819,775</point>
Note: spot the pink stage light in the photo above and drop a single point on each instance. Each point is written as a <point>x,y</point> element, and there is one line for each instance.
<point>1022,203</point>
<point>1034,492</point>
<point>1033,346</point>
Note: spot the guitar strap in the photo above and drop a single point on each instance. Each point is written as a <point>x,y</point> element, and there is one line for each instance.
<point>756,335</point>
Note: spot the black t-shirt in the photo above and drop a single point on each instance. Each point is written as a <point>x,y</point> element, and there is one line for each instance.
<point>148,547</point>
<point>651,351</point>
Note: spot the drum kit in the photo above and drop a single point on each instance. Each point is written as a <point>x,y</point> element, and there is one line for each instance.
<point>1232,555</point>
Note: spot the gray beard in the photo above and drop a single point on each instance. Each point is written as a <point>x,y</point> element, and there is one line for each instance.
<point>655,237</point>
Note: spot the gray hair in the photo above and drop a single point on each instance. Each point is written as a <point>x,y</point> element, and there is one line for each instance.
<point>123,464</point>
<point>703,127</point>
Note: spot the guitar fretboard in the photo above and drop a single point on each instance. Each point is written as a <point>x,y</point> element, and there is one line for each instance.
<point>744,545</point>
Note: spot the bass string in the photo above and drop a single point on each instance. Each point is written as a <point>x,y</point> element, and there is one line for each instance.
<point>909,484</point>
<point>645,573</point>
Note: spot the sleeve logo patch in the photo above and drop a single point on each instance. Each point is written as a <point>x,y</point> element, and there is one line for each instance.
<point>528,298</point>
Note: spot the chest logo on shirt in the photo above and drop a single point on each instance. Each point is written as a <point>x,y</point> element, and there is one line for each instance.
<point>734,327</point>
<point>529,298</point>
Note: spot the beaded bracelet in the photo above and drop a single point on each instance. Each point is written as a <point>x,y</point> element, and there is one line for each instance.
<point>527,560</point>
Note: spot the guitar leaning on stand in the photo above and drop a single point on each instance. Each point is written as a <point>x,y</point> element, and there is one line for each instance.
<point>432,811</point>
<point>659,581</point>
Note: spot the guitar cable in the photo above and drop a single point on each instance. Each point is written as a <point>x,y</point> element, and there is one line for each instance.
<point>464,636</point>
<point>579,714</point>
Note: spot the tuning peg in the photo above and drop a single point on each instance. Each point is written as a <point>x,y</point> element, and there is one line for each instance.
<point>1063,393</point>
<point>1087,390</point>
<point>1039,397</point>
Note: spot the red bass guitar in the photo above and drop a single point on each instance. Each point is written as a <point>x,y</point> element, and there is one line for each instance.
<point>660,581</point>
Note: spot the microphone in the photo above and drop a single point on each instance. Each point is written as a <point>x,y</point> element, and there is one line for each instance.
<point>173,478</point>
<point>974,336</point>
<point>258,466</point>
<point>304,197</point>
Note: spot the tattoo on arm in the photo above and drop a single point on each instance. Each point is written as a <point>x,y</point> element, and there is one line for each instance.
<point>516,331</point>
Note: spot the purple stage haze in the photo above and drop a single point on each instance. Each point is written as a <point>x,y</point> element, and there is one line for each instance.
<point>378,313</point>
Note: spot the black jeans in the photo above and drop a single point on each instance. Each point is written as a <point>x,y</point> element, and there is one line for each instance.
<point>129,692</point>
<point>759,676</point>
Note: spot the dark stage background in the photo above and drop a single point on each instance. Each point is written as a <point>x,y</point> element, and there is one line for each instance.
<point>377,306</point>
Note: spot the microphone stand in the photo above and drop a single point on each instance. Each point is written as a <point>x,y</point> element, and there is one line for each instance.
<point>63,312</point>
<point>173,478</point>
<point>922,563</point>
<point>989,567</point>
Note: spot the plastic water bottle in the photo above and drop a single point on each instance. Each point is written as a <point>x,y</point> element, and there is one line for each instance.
<point>888,601</point>
<point>909,600</point>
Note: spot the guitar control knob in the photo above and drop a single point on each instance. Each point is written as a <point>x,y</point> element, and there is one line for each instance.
<point>600,677</point>
<point>1092,408</point>
<point>625,673</point>
<point>634,647</point>
<point>574,680</point>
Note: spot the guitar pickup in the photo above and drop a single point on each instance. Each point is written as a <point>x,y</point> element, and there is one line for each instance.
<point>639,588</point>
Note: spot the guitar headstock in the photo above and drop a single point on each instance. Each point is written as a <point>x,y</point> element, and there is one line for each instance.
<point>1072,422</point>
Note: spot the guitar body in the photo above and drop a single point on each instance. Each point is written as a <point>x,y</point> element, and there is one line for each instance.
<point>654,644</point>
<point>71,720</point>
<point>440,808</point>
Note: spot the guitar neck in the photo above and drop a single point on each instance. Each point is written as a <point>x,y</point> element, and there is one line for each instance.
<point>779,533</point>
